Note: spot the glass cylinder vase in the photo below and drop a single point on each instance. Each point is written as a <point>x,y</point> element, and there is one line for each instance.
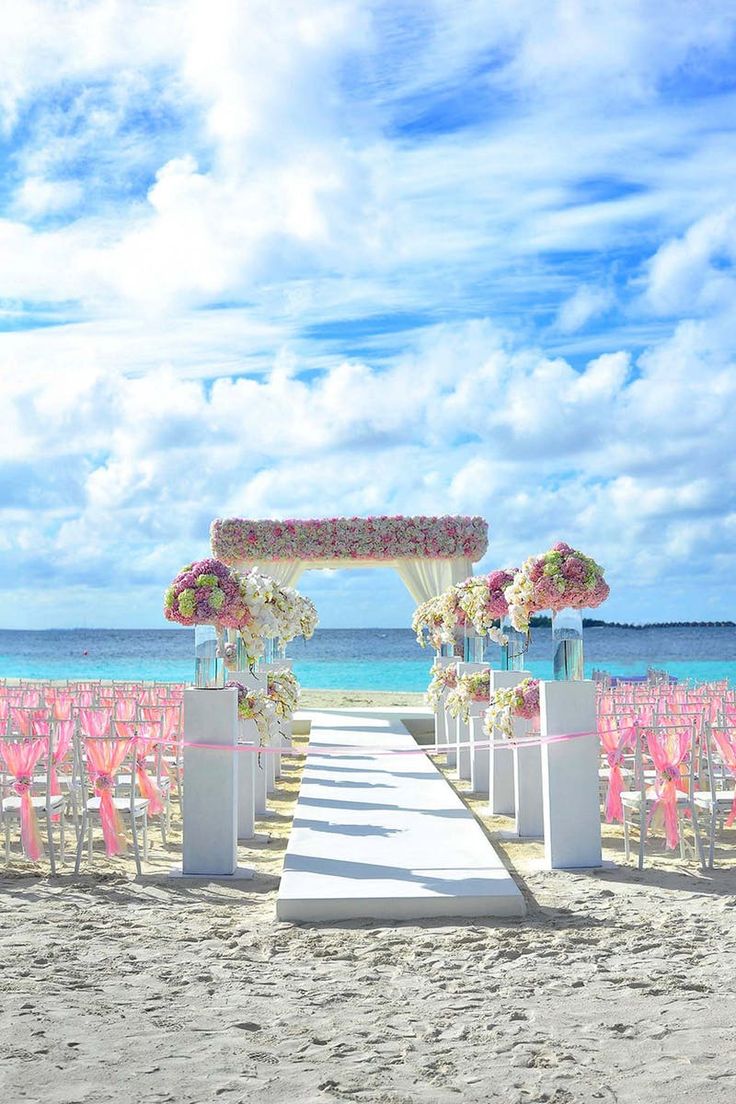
<point>208,668</point>
<point>514,650</point>
<point>567,644</point>
<point>474,647</point>
<point>447,650</point>
<point>269,650</point>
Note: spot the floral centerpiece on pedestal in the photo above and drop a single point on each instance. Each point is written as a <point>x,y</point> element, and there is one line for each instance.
<point>559,579</point>
<point>308,617</point>
<point>255,705</point>
<point>283,690</point>
<point>444,677</point>
<point>428,623</point>
<point>483,601</point>
<point>204,593</point>
<point>475,686</point>
<point>513,701</point>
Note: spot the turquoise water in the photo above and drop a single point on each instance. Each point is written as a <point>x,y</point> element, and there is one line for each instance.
<point>357,659</point>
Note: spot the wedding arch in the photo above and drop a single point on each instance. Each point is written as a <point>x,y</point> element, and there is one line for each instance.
<point>429,553</point>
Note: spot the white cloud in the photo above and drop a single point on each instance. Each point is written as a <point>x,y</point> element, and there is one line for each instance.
<point>586,303</point>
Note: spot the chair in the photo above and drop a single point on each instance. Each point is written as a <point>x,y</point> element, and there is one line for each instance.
<point>719,800</point>
<point>22,755</point>
<point>100,759</point>
<point>664,769</point>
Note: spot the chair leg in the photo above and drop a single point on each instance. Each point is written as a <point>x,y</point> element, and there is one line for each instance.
<point>712,846</point>
<point>7,840</point>
<point>62,833</point>
<point>642,832</point>
<point>627,846</point>
<point>80,842</point>
<point>50,833</point>
<point>136,849</point>
<point>145,836</point>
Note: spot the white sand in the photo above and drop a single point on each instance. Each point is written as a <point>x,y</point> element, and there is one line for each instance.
<point>618,986</point>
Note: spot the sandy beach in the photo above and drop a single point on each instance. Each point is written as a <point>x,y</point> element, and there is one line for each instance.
<point>617,986</point>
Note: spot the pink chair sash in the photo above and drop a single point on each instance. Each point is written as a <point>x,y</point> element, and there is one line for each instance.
<point>105,757</point>
<point>668,749</point>
<point>726,742</point>
<point>94,723</point>
<point>144,744</point>
<point>614,741</point>
<point>20,760</point>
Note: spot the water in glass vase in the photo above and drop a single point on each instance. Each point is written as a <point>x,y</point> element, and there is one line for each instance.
<point>514,651</point>
<point>567,643</point>
<point>474,647</point>
<point>207,665</point>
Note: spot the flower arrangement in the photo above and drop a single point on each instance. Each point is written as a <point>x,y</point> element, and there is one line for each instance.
<point>514,701</point>
<point>283,690</point>
<point>444,677</point>
<point>255,705</point>
<point>475,686</point>
<point>235,540</point>
<point>483,601</point>
<point>560,578</point>
<point>428,623</point>
<point>308,617</point>
<point>204,593</point>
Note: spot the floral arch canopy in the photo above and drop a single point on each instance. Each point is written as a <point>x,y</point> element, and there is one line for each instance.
<point>429,553</point>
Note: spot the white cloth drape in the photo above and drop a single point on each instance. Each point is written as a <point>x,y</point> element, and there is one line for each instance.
<point>424,579</point>
<point>285,572</point>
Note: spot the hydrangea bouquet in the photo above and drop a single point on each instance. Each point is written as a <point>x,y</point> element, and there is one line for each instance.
<point>559,579</point>
<point>514,701</point>
<point>204,593</point>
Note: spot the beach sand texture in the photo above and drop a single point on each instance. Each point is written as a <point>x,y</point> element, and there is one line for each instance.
<point>619,986</point>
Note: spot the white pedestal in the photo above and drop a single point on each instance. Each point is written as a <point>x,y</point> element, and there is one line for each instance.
<point>572,818</point>
<point>449,727</point>
<point>528,791</point>
<point>210,783</point>
<point>260,776</point>
<point>247,734</point>
<point>462,728</point>
<point>440,716</point>
<point>501,799</point>
<point>479,757</point>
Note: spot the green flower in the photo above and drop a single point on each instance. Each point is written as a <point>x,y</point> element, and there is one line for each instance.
<point>187,603</point>
<point>169,598</point>
<point>207,581</point>
<point>217,597</point>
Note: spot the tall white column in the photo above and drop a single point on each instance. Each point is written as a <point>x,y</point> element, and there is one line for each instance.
<point>247,734</point>
<point>462,728</point>
<point>210,783</point>
<point>501,799</point>
<point>440,716</point>
<point>257,681</point>
<point>572,817</point>
<point>529,810</point>
<point>278,665</point>
<point>479,757</point>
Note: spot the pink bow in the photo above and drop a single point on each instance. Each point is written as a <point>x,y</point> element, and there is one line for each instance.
<point>105,759</point>
<point>21,760</point>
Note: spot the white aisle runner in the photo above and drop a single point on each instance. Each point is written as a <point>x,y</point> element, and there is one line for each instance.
<point>385,837</point>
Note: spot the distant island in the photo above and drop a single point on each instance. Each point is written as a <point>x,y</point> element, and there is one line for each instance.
<point>540,621</point>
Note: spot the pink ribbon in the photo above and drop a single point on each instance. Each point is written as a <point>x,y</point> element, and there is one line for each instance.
<point>105,759</point>
<point>146,785</point>
<point>21,760</point>
<point>727,747</point>
<point>613,742</point>
<point>668,748</point>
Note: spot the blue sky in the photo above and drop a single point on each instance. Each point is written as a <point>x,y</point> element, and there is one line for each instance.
<point>366,256</point>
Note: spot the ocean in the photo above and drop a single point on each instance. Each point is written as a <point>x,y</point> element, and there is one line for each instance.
<point>358,659</point>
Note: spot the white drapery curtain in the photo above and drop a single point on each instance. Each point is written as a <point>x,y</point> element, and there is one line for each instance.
<point>425,579</point>
<point>285,572</point>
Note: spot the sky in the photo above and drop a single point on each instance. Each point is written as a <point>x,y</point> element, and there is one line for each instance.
<point>329,257</point>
